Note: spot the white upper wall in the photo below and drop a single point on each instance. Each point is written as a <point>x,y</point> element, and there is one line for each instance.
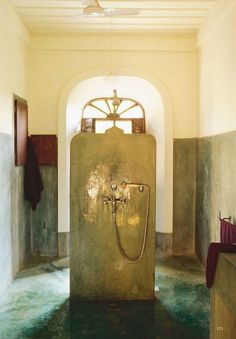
<point>217,48</point>
<point>13,64</point>
<point>172,58</point>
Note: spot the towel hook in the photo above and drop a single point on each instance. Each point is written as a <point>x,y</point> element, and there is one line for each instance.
<point>220,218</point>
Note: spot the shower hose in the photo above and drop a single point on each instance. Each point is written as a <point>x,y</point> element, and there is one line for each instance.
<point>134,260</point>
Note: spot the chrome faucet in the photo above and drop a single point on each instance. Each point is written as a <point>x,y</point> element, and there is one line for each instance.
<point>122,195</point>
<point>115,197</point>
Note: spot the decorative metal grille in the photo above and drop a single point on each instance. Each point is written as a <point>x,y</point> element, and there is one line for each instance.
<point>102,113</point>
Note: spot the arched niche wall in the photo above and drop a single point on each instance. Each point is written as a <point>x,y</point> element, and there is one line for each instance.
<point>152,94</point>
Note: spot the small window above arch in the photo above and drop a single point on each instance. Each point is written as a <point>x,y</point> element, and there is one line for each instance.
<point>99,114</point>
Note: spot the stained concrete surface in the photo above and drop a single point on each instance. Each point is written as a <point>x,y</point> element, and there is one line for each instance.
<point>63,244</point>
<point>204,184</point>
<point>164,241</point>
<point>21,221</point>
<point>184,196</point>
<point>97,241</point>
<point>37,306</point>
<point>6,165</point>
<point>44,218</point>
<point>203,197</point>
<point>216,188</point>
<point>16,218</point>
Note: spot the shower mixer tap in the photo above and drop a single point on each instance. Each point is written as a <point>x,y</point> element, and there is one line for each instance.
<point>114,198</point>
<point>121,196</point>
<point>113,187</point>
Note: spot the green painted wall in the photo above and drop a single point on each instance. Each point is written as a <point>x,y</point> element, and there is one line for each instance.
<point>44,219</point>
<point>14,215</point>
<point>184,196</point>
<point>21,221</point>
<point>204,184</point>
<point>6,166</point>
<point>15,235</point>
<point>98,270</point>
<point>216,187</point>
<point>203,199</point>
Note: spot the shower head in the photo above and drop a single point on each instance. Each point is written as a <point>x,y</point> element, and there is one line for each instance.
<point>116,101</point>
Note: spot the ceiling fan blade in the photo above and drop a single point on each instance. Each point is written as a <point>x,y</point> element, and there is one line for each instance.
<point>122,11</point>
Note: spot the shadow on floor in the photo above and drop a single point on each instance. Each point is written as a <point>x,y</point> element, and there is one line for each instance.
<point>114,320</point>
<point>37,305</point>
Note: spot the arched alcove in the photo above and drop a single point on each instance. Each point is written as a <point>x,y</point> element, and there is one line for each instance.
<point>135,84</point>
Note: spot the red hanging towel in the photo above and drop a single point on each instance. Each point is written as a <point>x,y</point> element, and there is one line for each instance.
<point>33,184</point>
<point>212,256</point>
<point>227,232</point>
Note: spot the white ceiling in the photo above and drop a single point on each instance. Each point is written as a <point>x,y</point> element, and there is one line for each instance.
<point>49,16</point>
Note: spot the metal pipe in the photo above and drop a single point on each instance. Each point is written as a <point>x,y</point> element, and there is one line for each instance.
<point>122,251</point>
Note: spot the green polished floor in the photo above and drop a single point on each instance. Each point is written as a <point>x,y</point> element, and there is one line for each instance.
<point>36,305</point>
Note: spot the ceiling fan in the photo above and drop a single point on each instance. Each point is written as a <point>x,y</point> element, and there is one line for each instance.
<point>93,8</point>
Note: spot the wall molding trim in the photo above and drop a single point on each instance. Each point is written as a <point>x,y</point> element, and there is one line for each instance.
<point>158,42</point>
<point>13,22</point>
<point>217,15</point>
